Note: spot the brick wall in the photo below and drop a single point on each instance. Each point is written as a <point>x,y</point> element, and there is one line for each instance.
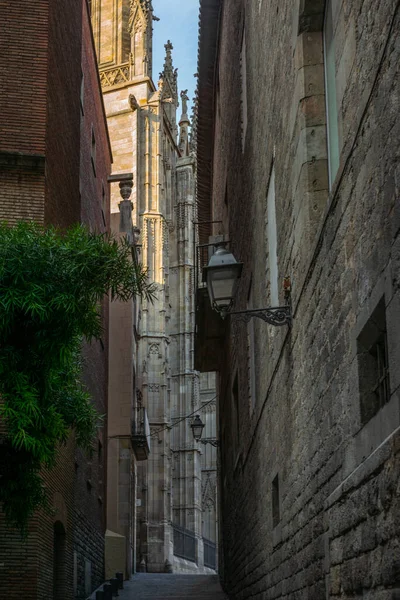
<point>26,566</point>
<point>336,535</point>
<point>46,174</point>
<point>23,73</point>
<point>90,481</point>
<point>63,113</point>
<point>23,113</point>
<point>21,193</point>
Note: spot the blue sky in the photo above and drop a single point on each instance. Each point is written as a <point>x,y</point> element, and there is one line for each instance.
<point>178,23</point>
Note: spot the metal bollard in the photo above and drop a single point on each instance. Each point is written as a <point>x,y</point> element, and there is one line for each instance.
<point>99,595</point>
<point>107,587</point>
<point>120,577</point>
<point>114,584</point>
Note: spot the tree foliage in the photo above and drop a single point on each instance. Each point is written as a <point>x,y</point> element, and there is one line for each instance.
<point>51,287</point>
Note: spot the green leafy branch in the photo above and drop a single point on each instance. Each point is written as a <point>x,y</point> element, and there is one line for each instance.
<point>52,284</point>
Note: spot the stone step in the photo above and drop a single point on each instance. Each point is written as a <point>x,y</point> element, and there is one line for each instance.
<point>172,587</point>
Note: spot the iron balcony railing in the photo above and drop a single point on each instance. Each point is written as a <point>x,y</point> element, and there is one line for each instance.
<point>210,554</point>
<point>140,433</point>
<point>184,543</point>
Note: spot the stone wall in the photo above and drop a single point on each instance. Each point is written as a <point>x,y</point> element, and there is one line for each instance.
<point>308,490</point>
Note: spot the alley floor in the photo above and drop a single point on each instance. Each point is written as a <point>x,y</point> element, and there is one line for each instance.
<point>172,587</point>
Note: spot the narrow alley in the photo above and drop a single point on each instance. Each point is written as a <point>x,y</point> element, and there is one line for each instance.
<point>200,300</point>
<point>174,587</point>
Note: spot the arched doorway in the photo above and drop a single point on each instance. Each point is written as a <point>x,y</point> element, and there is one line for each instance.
<point>59,562</point>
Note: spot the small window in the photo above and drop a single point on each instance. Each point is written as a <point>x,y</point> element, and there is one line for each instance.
<point>103,204</point>
<point>272,242</point>
<point>99,451</point>
<point>330,90</point>
<point>235,415</point>
<point>373,365</point>
<point>93,152</point>
<point>82,98</point>
<point>276,509</point>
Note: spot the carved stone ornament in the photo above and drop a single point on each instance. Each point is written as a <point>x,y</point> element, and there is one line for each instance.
<point>184,98</point>
<point>125,189</point>
<point>133,103</point>
<point>154,349</point>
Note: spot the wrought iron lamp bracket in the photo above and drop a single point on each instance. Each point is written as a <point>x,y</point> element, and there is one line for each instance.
<point>274,315</point>
<point>211,441</point>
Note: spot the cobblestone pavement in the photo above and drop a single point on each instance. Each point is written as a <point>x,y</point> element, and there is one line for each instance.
<point>172,587</point>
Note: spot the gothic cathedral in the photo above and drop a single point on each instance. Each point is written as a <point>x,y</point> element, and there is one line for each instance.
<point>164,507</point>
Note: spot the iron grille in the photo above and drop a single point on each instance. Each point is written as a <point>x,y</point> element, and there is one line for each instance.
<point>184,543</point>
<point>210,554</point>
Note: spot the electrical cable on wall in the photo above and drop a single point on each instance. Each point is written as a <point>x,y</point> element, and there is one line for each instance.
<point>155,433</point>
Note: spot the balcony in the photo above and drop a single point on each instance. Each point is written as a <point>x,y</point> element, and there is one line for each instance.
<point>210,328</point>
<point>140,436</point>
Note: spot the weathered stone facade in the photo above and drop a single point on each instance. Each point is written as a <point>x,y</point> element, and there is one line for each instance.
<point>309,458</point>
<point>158,372</point>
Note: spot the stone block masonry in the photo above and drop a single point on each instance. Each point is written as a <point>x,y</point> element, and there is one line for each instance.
<point>303,443</point>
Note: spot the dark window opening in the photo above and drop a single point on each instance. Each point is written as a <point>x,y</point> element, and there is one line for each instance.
<point>235,416</point>
<point>276,511</point>
<point>103,204</point>
<point>82,96</point>
<point>93,152</point>
<point>59,562</point>
<point>100,451</point>
<point>373,365</point>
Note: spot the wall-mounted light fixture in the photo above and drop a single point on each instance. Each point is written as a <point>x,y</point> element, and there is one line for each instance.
<point>222,276</point>
<point>197,430</point>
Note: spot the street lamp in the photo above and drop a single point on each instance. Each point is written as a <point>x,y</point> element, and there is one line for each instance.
<point>222,276</point>
<point>197,430</point>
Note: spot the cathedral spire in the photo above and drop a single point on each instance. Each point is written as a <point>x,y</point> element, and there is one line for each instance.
<point>168,67</point>
<point>141,19</point>
<point>169,73</point>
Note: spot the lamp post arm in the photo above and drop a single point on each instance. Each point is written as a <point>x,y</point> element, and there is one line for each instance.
<point>274,315</point>
<point>214,442</point>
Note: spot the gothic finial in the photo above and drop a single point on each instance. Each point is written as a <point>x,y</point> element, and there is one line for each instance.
<point>145,4</point>
<point>168,58</point>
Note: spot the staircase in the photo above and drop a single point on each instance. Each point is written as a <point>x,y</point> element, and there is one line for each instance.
<point>144,586</point>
